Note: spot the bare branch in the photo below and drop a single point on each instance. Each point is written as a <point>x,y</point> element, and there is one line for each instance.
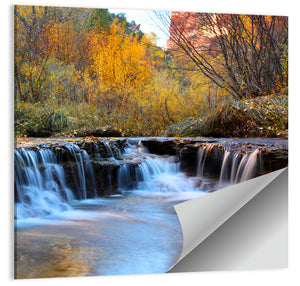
<point>251,48</point>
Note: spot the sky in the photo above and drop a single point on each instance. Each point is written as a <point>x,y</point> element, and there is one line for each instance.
<point>147,20</point>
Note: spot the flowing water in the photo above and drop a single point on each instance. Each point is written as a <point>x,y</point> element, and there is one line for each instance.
<point>62,232</point>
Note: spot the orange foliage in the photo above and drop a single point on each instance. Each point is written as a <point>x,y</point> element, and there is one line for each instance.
<point>119,62</point>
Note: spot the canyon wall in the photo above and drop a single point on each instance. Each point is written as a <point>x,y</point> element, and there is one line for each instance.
<point>191,26</point>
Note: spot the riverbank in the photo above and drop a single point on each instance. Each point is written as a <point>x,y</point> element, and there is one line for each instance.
<point>264,117</point>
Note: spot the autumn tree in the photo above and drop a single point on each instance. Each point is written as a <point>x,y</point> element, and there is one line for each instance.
<point>251,51</point>
<point>120,64</point>
<point>34,21</point>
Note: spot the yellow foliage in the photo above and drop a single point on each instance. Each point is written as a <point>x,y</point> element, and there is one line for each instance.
<point>120,62</point>
<point>113,77</point>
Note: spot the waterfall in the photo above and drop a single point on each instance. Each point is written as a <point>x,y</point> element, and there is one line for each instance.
<point>40,173</point>
<point>96,152</point>
<point>234,167</point>
<point>249,168</point>
<point>143,173</point>
<point>40,180</point>
<point>155,167</point>
<point>237,168</point>
<point>226,168</point>
<point>39,183</point>
<point>109,150</point>
<point>124,177</point>
<point>202,156</point>
<point>154,175</point>
<point>229,166</point>
<point>83,168</point>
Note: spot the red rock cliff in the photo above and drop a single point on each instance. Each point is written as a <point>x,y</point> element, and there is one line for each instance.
<point>190,25</point>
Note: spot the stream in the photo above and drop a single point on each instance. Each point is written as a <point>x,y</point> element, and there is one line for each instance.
<point>61,232</point>
<point>134,232</point>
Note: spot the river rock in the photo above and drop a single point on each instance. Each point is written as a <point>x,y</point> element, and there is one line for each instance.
<point>102,159</point>
<point>273,156</point>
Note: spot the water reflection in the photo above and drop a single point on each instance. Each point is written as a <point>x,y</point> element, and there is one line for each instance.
<point>129,235</point>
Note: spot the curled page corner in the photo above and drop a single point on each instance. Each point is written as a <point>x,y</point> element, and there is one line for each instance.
<point>202,216</point>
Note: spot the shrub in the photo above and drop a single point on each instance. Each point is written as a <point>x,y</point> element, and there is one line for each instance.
<point>54,121</point>
<point>258,117</point>
<point>36,120</point>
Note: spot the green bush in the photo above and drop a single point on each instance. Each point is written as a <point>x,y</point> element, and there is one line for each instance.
<point>55,121</point>
<point>35,120</point>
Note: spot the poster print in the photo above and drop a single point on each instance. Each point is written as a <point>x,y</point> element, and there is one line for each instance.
<point>113,127</point>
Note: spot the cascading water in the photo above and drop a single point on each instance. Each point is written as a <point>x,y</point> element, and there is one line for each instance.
<point>152,169</point>
<point>109,150</point>
<point>247,170</point>
<point>83,167</point>
<point>202,155</point>
<point>154,175</point>
<point>226,168</point>
<point>124,177</point>
<point>39,183</point>
<point>41,186</point>
<point>150,185</point>
<point>232,167</point>
<point>59,186</point>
